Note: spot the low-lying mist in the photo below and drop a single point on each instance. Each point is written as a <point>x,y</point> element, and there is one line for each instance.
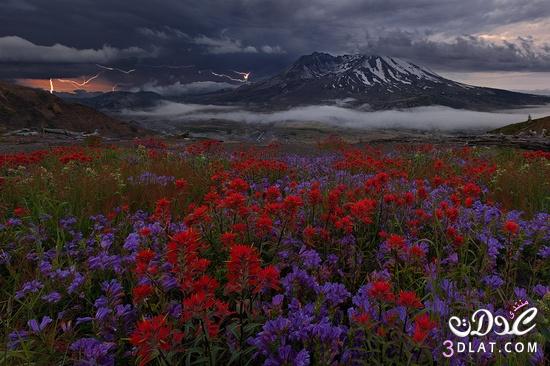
<point>420,118</point>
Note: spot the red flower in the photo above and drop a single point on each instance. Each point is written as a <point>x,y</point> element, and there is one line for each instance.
<point>162,209</point>
<point>362,318</point>
<point>272,193</point>
<point>240,228</point>
<point>346,224</point>
<point>381,290</point>
<point>471,190</point>
<point>511,227</point>
<point>19,211</point>
<point>153,334</point>
<point>181,184</point>
<point>145,231</point>
<point>205,284</point>
<point>242,268</point>
<point>309,234</point>
<point>142,260</point>
<point>417,252</point>
<point>409,300</point>
<point>205,307</point>
<point>239,185</point>
<point>363,209</point>
<point>228,239</point>
<point>390,197</point>
<point>141,292</point>
<point>264,225</point>
<point>233,201</point>
<point>314,196</point>
<point>183,254</point>
<point>292,203</point>
<point>395,242</point>
<point>409,198</point>
<point>451,213</point>
<point>422,327</point>
<point>199,215</point>
<point>268,278</point>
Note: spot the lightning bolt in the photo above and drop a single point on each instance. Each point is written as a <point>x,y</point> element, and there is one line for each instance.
<point>80,85</point>
<point>116,69</point>
<point>114,87</point>
<point>51,86</point>
<point>245,76</point>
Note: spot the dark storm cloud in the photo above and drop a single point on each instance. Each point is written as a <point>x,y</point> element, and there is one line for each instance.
<point>16,49</point>
<point>265,36</point>
<point>462,53</point>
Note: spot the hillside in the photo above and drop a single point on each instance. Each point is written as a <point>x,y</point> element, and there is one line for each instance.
<point>23,107</point>
<point>536,125</point>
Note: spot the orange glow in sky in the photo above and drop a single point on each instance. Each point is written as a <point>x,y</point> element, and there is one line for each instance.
<point>96,85</point>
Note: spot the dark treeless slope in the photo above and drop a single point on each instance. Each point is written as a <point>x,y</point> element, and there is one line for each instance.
<point>537,125</point>
<point>22,107</point>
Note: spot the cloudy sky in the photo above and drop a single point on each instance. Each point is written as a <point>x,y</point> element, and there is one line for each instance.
<point>189,45</point>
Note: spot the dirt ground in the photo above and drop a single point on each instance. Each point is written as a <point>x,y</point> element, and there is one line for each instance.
<point>295,139</point>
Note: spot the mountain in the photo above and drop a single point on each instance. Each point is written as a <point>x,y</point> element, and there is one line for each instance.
<point>118,100</point>
<point>369,82</point>
<point>23,107</point>
<point>537,125</point>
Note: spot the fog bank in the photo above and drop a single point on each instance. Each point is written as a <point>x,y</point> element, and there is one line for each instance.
<point>420,118</point>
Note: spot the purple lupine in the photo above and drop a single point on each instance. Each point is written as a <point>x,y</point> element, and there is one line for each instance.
<point>29,287</point>
<point>91,351</point>
<point>52,298</point>
<point>37,327</point>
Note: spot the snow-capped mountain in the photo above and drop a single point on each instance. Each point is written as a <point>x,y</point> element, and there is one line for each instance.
<point>375,82</point>
<point>361,72</point>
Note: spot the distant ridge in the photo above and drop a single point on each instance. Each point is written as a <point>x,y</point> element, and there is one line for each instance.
<point>367,82</point>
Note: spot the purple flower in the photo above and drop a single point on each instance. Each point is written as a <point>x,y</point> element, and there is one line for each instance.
<point>105,261</point>
<point>310,258</point>
<point>168,282</point>
<point>302,358</point>
<point>174,309</point>
<point>13,222</point>
<point>35,327</point>
<point>541,290</point>
<point>106,241</point>
<point>15,338</point>
<point>544,252</point>
<point>52,297</point>
<point>85,319</point>
<point>334,293</point>
<point>29,287</point>
<point>298,280</point>
<point>112,289</point>
<point>520,293</point>
<point>45,267</point>
<point>78,280</point>
<point>5,257</point>
<point>493,281</point>
<point>68,222</point>
<point>91,351</point>
<point>132,242</point>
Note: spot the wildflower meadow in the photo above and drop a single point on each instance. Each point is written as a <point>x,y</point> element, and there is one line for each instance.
<point>163,253</point>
